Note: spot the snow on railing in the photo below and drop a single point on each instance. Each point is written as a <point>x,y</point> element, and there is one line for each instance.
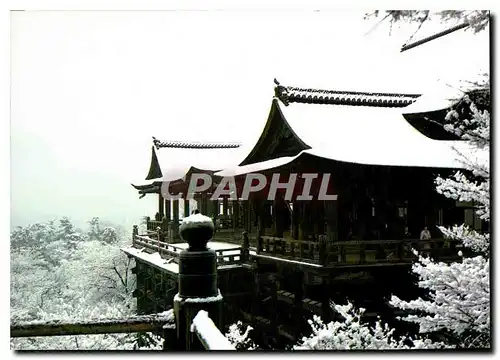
<point>209,335</point>
<point>226,256</point>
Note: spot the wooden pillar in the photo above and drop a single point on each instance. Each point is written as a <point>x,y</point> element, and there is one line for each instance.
<point>299,295</point>
<point>247,216</point>
<point>255,305</point>
<point>303,221</point>
<point>214,204</point>
<point>274,301</point>
<point>161,203</point>
<point>325,301</point>
<point>236,214</point>
<point>175,221</point>
<point>295,220</point>
<point>319,219</point>
<point>225,206</point>
<point>245,247</point>
<point>168,207</point>
<point>279,207</point>
<point>261,217</point>
<point>186,208</point>
<point>331,214</point>
<point>203,204</point>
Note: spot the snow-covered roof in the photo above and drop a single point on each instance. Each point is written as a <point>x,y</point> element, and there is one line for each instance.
<point>175,163</point>
<point>373,132</point>
<point>441,96</point>
<point>362,135</point>
<point>256,167</point>
<point>366,135</point>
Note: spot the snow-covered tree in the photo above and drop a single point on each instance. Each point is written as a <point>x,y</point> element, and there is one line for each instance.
<point>353,334</point>
<point>458,304</point>
<point>53,279</point>
<point>239,337</point>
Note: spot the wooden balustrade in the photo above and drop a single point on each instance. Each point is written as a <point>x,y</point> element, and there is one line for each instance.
<point>363,252</point>
<point>224,256</point>
<point>162,248</point>
<point>157,228</point>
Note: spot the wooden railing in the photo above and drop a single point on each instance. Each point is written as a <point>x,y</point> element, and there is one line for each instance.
<point>163,323</point>
<point>163,248</point>
<point>153,225</point>
<point>229,256</point>
<point>356,252</point>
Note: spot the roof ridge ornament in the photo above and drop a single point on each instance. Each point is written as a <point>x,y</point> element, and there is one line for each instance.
<point>289,94</point>
<point>194,144</point>
<point>281,92</point>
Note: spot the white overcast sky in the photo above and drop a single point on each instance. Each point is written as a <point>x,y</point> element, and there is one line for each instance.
<point>90,89</point>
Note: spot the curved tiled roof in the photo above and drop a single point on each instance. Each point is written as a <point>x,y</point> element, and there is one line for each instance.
<point>289,94</point>
<point>193,144</point>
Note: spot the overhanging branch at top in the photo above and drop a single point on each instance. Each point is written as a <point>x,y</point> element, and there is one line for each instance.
<point>432,37</point>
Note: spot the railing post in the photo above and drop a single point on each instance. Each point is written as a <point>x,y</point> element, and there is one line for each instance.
<point>322,252</point>
<point>148,224</point>
<point>164,229</point>
<point>399,250</point>
<point>135,232</point>
<point>362,254</point>
<point>197,280</point>
<point>245,251</point>
<point>259,244</point>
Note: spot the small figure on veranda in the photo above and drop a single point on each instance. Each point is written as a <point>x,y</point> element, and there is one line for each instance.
<point>425,234</point>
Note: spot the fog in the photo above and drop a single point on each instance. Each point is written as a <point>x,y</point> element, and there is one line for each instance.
<point>90,89</point>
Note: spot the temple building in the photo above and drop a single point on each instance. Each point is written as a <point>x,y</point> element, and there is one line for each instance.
<point>381,158</point>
